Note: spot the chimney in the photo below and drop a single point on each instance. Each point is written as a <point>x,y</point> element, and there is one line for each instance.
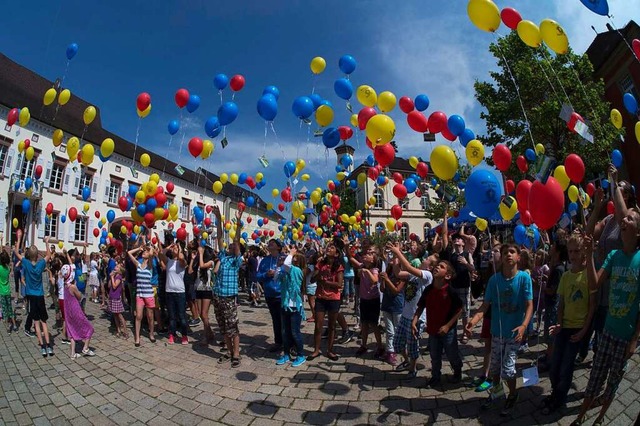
<point>609,27</point>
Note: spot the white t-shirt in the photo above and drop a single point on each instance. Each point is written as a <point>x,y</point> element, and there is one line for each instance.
<point>412,293</point>
<point>94,268</point>
<point>60,287</point>
<point>175,277</point>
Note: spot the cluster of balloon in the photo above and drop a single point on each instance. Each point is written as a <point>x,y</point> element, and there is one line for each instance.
<point>64,96</point>
<point>343,86</point>
<point>256,182</point>
<point>143,104</point>
<point>198,147</point>
<point>631,105</point>
<point>21,115</point>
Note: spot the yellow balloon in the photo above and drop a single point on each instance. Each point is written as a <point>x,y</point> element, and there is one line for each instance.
<point>391,224</point>
<point>297,208</point>
<point>155,177</point>
<point>316,197</point>
<point>573,193</point>
<point>233,179</point>
<point>305,177</point>
<point>444,162</point>
<point>151,188</point>
<point>24,116</point>
<point>20,146</point>
<point>158,213</point>
<point>362,178</point>
<point>89,115</point>
<point>386,101</point>
<point>587,201</point>
<point>413,162</point>
<point>15,222</point>
<point>340,175</point>
<point>540,149</point>
<point>275,192</point>
<point>507,212</point>
<point>354,120</point>
<point>107,147</point>
<point>318,64</point>
<point>73,145</point>
<point>259,177</point>
<point>301,164</point>
<point>205,235</point>
<point>481,224</point>
<point>103,220</point>
<point>380,129</point>
<point>143,114</point>
<point>173,209</point>
<point>529,33</point>
<point>207,149</point>
<point>366,95</point>
<point>474,152</point>
<point>29,153</point>
<point>484,14</point>
<point>60,244</point>
<point>140,196</point>
<point>319,232</point>
<point>64,97</point>
<point>224,178</point>
<point>637,131</point>
<point>145,160</point>
<point>86,207</point>
<point>324,115</point>
<point>58,135</point>
<point>123,229</point>
<point>232,234</point>
<point>554,36</point>
<point>110,235</point>
<point>560,175</point>
<point>49,96</point>
<point>217,187</point>
<point>87,154</point>
<point>269,206</point>
<point>344,217</point>
<point>616,118</point>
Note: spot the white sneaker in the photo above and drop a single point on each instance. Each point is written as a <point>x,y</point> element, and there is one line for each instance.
<point>88,352</point>
<point>76,355</point>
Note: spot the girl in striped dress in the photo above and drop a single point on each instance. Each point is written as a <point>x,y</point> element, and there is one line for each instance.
<point>144,290</point>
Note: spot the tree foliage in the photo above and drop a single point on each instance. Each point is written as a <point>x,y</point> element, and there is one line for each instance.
<point>436,207</point>
<point>544,84</point>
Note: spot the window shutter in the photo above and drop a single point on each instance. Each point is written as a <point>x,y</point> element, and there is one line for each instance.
<point>180,216</point>
<point>76,183</point>
<point>9,162</point>
<point>68,175</point>
<point>124,189</point>
<point>42,223</point>
<point>107,187</point>
<point>91,225</point>
<point>72,230</point>
<point>3,213</point>
<point>94,186</point>
<point>61,228</point>
<point>47,174</point>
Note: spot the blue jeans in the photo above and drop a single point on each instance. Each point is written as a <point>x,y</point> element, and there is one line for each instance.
<point>274,304</point>
<point>562,363</point>
<point>448,343</point>
<point>291,334</point>
<point>348,289</point>
<point>176,308</point>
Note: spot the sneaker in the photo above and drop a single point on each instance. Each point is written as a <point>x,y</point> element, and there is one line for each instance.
<point>76,355</point>
<point>404,365</point>
<point>43,352</point>
<point>432,382</point>
<point>476,381</point>
<point>509,405</point>
<point>50,351</point>
<point>185,340</point>
<point>347,336</point>
<point>29,333</point>
<point>88,352</point>
<point>299,361</point>
<point>484,386</point>
<point>171,342</point>
<point>194,322</point>
<point>66,341</point>
<point>283,360</point>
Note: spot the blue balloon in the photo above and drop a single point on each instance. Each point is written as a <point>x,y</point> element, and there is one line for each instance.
<point>434,182</point>
<point>466,137</point>
<point>346,161</point>
<point>250,201</point>
<point>260,222</point>
<point>421,102</point>
<point>268,107</point>
<point>461,185</point>
<point>111,215</point>
<point>630,103</point>
<point>573,207</point>
<point>72,49</point>
<point>370,160</point>
<point>105,233</point>
<point>26,206</point>
<point>302,107</point>
<point>456,124</point>
<point>103,159</point>
<point>381,180</point>
<point>530,155</point>
<point>212,126</point>
<point>133,237</point>
<point>242,178</point>
<point>173,127</point>
<point>86,193</point>
<point>289,168</point>
<point>327,103</point>
<point>616,158</point>
<point>193,103</point>
<point>411,185</point>
<point>133,190</point>
<point>28,183</point>
<point>331,137</point>
<point>227,113</point>
<point>63,218</point>
<point>220,81</point>
<point>16,186</point>
<point>353,184</point>
<point>601,7</point>
<point>141,209</point>
<point>151,204</point>
<point>316,99</point>
<point>604,183</point>
<point>339,168</point>
<point>103,241</point>
<point>483,193</point>
<point>347,64</point>
<point>532,243</point>
<point>272,90</point>
<point>343,88</point>
<point>519,234</point>
<point>198,213</point>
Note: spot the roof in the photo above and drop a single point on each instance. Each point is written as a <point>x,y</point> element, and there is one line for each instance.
<point>604,44</point>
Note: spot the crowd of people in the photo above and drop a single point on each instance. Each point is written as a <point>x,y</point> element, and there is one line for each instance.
<point>578,290</point>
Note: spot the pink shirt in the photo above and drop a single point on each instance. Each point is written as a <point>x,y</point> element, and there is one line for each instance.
<point>369,290</point>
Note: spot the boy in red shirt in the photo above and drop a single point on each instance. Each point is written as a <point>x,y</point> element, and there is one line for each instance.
<point>444,308</point>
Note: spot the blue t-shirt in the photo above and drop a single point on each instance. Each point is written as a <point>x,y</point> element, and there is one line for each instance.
<point>508,300</point>
<point>348,268</point>
<point>33,277</point>
<point>111,266</point>
<point>624,290</point>
<point>269,284</point>
<point>81,277</point>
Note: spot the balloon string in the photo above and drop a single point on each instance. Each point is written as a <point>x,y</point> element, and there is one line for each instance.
<point>184,132</point>
<point>545,53</point>
<point>584,91</point>
<point>551,84</point>
<point>64,75</point>
<point>298,144</point>
<point>273,129</point>
<point>166,157</point>
<point>220,93</point>
<point>623,37</point>
<point>266,130</point>
<point>135,147</point>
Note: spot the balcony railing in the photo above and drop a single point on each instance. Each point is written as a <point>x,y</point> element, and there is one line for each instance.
<point>18,186</point>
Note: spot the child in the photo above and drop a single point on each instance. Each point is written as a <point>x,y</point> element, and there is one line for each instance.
<point>144,291</point>
<point>539,276</point>
<point>77,325</point>
<point>5,292</point>
<point>56,265</point>
<point>310,285</point>
<point>115,300</point>
<point>509,295</point>
<point>558,258</point>
<point>444,308</point>
<point>291,279</point>
<point>575,310</point>
<point>94,281</point>
<point>392,301</point>
<point>406,341</point>
<point>622,326</point>
<point>32,270</point>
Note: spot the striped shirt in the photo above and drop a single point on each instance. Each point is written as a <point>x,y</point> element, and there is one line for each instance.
<point>143,282</point>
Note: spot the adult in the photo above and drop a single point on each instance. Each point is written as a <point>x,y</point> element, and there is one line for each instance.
<point>174,258</point>
<point>266,274</point>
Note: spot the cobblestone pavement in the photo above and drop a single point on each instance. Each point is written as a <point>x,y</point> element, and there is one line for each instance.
<point>158,384</point>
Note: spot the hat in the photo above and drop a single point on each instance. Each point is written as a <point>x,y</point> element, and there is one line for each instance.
<point>67,274</point>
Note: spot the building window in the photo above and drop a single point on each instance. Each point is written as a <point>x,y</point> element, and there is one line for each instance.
<point>185,209</point>
<point>4,152</point>
<point>404,203</point>
<point>51,226</point>
<point>426,230</point>
<point>424,202</point>
<point>80,234</point>
<point>57,176</point>
<point>26,168</point>
<point>112,192</point>
<point>170,199</point>
<point>379,195</point>
<point>404,232</point>
<point>85,180</point>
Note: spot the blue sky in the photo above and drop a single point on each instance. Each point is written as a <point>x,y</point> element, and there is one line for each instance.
<point>406,47</point>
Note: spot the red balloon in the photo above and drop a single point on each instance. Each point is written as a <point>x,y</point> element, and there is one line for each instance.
<point>345,132</point>
<point>573,120</point>
<point>574,167</point>
<point>207,222</point>
<point>369,144</point>
<point>525,217</point>
<point>396,212</point>
<point>195,146</point>
<point>502,157</point>
<point>546,203</point>
<point>417,121</point>
<point>12,117</point>
<point>335,199</point>
<point>182,97</point>
<point>521,162</point>
<point>364,115</point>
<point>265,220</point>
<point>397,177</point>
<point>249,219</point>
<point>183,225</point>
<point>510,17</point>
<point>73,214</point>
<point>181,234</point>
<point>331,186</point>
<point>281,207</point>
<point>143,101</point>
<point>49,208</point>
<point>159,189</point>
<point>510,186</point>
<point>400,191</point>
<point>237,82</point>
<point>27,143</point>
<point>196,230</point>
<point>149,220</point>
<point>96,232</point>
<point>611,208</point>
<point>161,199</point>
<point>522,194</point>
<point>437,122</point>
<point>123,203</point>
<point>406,104</point>
<point>250,182</point>
<point>422,169</point>
<point>448,135</point>
<point>384,154</point>
<point>242,206</point>
<point>636,47</point>
<point>170,187</point>
<point>271,233</point>
<point>165,214</point>
<point>372,173</point>
<point>208,209</point>
<point>97,214</point>
<point>591,188</point>
<point>171,225</point>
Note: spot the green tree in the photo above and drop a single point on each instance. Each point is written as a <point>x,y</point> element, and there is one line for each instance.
<point>544,83</point>
<point>436,207</point>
